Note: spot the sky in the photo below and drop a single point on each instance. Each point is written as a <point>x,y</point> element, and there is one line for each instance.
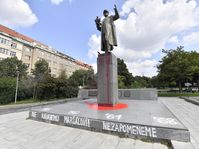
<point>145,27</point>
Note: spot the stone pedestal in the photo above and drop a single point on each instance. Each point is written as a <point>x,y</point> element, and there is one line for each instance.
<point>107,83</point>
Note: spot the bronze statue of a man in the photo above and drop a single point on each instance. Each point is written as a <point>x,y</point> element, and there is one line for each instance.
<point>107,28</point>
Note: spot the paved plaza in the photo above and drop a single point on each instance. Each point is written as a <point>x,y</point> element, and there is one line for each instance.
<point>18,133</point>
<point>188,114</point>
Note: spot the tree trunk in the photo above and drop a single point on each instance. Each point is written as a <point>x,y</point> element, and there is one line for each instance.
<point>180,86</point>
<point>198,84</point>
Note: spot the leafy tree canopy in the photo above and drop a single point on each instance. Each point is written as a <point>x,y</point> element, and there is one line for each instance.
<point>83,77</point>
<point>41,69</point>
<point>10,66</point>
<point>178,65</point>
<point>124,74</point>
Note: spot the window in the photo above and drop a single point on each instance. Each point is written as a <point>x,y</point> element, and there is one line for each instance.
<point>27,49</point>
<point>27,57</point>
<point>7,52</point>
<point>13,54</point>
<point>13,45</point>
<point>4,51</point>
<point>4,41</point>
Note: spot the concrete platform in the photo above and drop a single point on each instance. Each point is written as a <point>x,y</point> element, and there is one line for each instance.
<point>142,118</point>
<point>128,94</point>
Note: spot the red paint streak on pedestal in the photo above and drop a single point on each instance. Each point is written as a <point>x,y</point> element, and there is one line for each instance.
<point>108,76</point>
<point>95,106</point>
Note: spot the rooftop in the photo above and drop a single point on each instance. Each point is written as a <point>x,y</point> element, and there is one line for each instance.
<point>15,34</point>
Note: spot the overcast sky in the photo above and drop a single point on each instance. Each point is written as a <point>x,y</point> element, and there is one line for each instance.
<point>144,28</point>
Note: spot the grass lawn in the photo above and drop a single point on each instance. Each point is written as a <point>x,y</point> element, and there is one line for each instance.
<point>178,94</point>
<point>27,101</point>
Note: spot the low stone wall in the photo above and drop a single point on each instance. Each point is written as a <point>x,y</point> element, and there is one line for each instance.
<point>131,94</point>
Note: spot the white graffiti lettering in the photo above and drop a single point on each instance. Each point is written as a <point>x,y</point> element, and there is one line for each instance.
<point>73,112</point>
<point>113,116</point>
<point>130,129</point>
<point>51,117</point>
<point>34,114</point>
<point>163,120</point>
<point>75,120</point>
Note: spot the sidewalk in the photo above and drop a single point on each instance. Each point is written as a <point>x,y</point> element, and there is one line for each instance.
<point>194,100</point>
<point>188,114</point>
<point>18,133</point>
<point>4,109</point>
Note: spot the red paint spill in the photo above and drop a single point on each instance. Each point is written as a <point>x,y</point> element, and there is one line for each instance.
<point>95,106</point>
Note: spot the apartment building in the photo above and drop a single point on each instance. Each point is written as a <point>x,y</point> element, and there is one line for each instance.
<point>30,51</point>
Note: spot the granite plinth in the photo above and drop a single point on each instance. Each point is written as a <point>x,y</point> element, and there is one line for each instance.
<point>107,83</point>
<point>130,94</point>
<point>142,118</point>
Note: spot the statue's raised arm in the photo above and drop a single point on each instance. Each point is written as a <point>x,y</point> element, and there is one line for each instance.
<point>116,16</point>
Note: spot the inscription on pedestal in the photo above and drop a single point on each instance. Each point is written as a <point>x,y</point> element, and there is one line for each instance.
<point>130,129</point>
<point>114,123</point>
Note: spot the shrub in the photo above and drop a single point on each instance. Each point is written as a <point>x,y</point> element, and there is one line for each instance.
<point>7,89</point>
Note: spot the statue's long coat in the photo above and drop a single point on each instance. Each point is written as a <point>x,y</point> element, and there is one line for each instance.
<point>108,33</point>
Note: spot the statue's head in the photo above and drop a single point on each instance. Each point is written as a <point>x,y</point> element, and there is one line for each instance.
<point>106,13</point>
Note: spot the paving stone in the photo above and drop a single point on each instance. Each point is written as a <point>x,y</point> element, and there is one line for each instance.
<point>140,145</point>
<point>110,142</point>
<point>159,146</point>
<point>182,145</point>
<point>188,114</point>
<point>126,144</point>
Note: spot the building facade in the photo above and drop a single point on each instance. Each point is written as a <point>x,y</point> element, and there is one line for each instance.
<point>30,51</point>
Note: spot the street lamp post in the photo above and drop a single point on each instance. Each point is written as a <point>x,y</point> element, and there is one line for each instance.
<point>83,82</point>
<point>16,87</point>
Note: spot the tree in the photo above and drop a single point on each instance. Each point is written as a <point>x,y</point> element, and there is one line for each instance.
<point>46,88</point>
<point>26,86</point>
<point>142,82</point>
<point>41,69</point>
<point>123,72</point>
<point>40,72</point>
<point>63,75</point>
<point>175,66</point>
<point>194,60</point>
<point>121,82</point>
<point>10,66</point>
<point>83,77</point>
<point>7,89</point>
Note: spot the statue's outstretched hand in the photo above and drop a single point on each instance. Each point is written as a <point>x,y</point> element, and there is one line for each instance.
<point>115,7</point>
<point>97,20</point>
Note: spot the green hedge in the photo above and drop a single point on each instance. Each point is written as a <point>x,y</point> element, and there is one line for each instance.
<point>51,88</point>
<point>7,90</point>
<point>48,88</point>
<point>178,94</point>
